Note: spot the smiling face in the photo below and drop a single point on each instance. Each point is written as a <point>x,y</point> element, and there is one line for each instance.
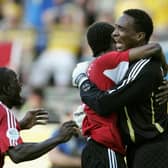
<point>125,33</point>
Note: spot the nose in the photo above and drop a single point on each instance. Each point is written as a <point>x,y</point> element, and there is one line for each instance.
<point>115,33</point>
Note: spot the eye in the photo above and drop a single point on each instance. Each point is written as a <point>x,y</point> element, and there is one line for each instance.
<point>121,28</point>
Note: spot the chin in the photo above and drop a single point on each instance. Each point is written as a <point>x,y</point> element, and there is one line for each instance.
<point>121,49</point>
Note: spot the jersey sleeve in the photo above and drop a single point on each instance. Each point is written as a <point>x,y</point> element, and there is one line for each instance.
<point>138,84</point>
<point>119,62</point>
<point>9,132</point>
<point>119,56</point>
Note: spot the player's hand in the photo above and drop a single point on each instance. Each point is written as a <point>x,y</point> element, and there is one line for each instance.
<point>165,69</point>
<point>162,96</point>
<point>34,117</point>
<point>79,73</point>
<point>67,130</point>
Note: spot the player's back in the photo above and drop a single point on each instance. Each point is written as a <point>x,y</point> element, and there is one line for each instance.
<point>108,69</point>
<point>105,71</point>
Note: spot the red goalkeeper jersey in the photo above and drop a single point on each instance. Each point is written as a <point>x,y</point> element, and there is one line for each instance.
<point>106,71</point>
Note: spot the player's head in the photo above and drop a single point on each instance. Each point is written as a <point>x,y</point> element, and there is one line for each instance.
<point>132,29</point>
<point>99,37</point>
<point>10,88</point>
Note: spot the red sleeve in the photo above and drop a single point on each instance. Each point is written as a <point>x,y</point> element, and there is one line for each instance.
<point>9,129</point>
<point>117,57</point>
<point>115,65</point>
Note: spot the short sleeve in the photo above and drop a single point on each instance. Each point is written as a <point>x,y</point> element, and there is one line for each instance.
<point>9,132</point>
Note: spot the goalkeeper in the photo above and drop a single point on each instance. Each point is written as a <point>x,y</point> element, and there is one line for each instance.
<point>105,146</point>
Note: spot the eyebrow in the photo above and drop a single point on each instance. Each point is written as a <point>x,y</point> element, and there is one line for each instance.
<point>122,27</point>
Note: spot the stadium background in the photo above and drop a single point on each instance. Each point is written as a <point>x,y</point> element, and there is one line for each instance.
<point>29,28</point>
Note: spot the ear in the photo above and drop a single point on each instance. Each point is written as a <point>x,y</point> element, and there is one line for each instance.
<point>140,36</point>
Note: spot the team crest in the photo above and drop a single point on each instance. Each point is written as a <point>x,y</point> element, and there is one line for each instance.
<point>12,134</point>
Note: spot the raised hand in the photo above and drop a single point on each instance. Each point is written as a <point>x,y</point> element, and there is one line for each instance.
<point>67,130</point>
<point>34,117</point>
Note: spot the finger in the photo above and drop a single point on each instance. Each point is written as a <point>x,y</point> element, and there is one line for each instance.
<point>42,113</point>
<point>39,110</point>
<point>70,124</point>
<point>42,117</point>
<point>161,97</point>
<point>162,102</point>
<point>77,132</point>
<point>164,85</point>
<point>41,122</point>
<point>161,94</point>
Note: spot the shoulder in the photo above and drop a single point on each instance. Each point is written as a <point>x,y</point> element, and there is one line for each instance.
<point>3,109</point>
<point>148,68</point>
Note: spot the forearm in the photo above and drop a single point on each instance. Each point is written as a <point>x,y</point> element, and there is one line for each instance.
<point>103,102</point>
<point>129,92</point>
<point>30,151</point>
<point>145,51</point>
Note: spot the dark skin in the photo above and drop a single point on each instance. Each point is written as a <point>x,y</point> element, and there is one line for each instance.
<point>30,151</point>
<point>126,37</point>
<point>34,117</point>
<point>10,96</point>
<point>162,96</point>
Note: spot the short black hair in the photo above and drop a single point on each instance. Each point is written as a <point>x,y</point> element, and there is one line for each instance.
<point>143,22</point>
<point>99,37</point>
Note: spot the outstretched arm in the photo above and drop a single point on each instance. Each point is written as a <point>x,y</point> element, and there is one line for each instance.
<point>34,117</point>
<point>30,151</point>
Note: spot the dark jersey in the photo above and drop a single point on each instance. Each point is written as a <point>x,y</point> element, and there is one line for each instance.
<point>141,119</point>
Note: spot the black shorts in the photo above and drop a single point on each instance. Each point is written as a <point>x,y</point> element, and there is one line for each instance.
<point>96,155</point>
<point>151,155</point>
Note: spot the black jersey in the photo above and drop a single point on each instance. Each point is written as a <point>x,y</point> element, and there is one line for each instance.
<point>140,117</point>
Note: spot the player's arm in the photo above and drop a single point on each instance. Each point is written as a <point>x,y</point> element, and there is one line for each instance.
<point>129,92</point>
<point>149,50</point>
<point>145,51</point>
<point>30,151</point>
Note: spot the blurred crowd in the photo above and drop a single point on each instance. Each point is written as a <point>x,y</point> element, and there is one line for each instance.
<point>42,40</point>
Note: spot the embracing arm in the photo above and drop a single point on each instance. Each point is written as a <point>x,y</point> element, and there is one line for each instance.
<point>128,92</point>
<point>30,151</point>
<point>145,51</point>
<point>149,50</point>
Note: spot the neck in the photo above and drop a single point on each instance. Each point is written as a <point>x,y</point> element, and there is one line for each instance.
<point>141,43</point>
